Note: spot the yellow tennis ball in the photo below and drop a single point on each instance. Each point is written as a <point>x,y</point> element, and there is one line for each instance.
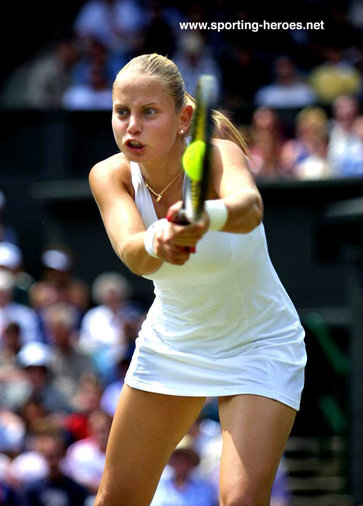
<point>193,159</point>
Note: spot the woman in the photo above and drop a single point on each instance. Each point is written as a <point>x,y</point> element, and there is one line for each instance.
<point>221,324</point>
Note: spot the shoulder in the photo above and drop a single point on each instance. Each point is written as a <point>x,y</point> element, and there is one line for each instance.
<point>226,145</point>
<point>95,313</point>
<point>111,172</point>
<point>226,152</point>
<point>80,448</point>
<point>96,310</point>
<point>20,309</point>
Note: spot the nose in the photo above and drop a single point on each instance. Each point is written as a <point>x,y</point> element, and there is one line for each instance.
<point>134,125</point>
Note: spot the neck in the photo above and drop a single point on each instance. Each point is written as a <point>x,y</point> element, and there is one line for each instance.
<point>158,173</point>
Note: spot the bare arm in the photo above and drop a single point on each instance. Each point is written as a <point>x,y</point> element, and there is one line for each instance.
<point>234,184</point>
<point>110,182</point>
<point>122,221</point>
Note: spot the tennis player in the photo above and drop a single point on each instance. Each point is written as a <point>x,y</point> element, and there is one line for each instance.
<point>221,324</point>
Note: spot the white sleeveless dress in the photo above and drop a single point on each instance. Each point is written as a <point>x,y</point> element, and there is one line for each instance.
<point>222,324</point>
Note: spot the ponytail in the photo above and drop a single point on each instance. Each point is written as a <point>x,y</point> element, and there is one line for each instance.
<point>223,128</point>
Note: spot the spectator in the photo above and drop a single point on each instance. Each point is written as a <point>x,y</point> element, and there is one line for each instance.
<point>94,55</point>
<point>193,59</point>
<point>94,95</point>
<point>68,364</point>
<point>334,77</point>
<point>33,413</point>
<point>266,144</point>
<point>115,23</point>
<point>57,283</point>
<point>112,392</point>
<point>85,459</point>
<point>56,488</point>
<point>34,359</point>
<point>288,89</point>
<point>345,151</point>
<point>94,73</point>
<point>50,75</point>
<point>178,487</point>
<point>207,437</point>
<point>7,232</point>
<point>305,156</point>
<point>10,345</point>
<point>86,400</point>
<point>107,328</point>
<point>11,259</point>
<point>12,432</point>
<point>27,467</point>
<point>13,312</point>
<point>88,395</point>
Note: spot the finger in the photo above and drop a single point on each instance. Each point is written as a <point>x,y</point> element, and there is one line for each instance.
<point>173,211</point>
<point>178,258</point>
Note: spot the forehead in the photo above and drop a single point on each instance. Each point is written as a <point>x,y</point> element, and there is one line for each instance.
<point>137,88</point>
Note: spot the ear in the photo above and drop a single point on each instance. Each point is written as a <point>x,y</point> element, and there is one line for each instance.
<point>186,118</point>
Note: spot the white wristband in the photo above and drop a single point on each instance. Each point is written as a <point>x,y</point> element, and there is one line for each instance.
<point>150,233</point>
<point>217,212</point>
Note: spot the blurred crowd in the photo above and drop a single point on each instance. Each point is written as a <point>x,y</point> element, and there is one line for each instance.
<point>316,74</point>
<point>65,346</point>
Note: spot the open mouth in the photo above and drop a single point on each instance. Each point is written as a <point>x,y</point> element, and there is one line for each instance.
<point>134,144</point>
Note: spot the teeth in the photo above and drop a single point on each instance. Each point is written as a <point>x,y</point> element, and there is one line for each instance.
<point>135,144</point>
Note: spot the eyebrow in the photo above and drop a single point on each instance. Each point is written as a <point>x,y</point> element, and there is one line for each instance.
<point>120,104</point>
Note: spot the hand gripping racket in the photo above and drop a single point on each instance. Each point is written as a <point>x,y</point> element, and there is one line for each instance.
<point>197,155</point>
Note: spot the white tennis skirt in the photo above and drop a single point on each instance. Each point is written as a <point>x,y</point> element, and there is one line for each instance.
<point>270,368</point>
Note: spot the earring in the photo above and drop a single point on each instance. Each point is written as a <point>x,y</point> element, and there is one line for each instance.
<point>181,132</point>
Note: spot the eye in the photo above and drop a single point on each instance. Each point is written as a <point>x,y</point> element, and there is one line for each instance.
<point>122,112</point>
<point>150,111</point>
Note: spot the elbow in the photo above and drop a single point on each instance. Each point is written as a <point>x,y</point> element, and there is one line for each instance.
<point>252,223</point>
<point>139,263</point>
<point>258,212</point>
<point>129,261</point>
<point>254,217</point>
<point>135,269</point>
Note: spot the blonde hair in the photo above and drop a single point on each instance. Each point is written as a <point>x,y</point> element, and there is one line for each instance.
<point>160,66</point>
<point>314,116</point>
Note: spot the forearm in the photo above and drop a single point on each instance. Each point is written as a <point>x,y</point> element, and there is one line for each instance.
<point>133,254</point>
<point>245,211</point>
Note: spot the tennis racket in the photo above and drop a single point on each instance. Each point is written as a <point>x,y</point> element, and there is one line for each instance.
<point>197,155</point>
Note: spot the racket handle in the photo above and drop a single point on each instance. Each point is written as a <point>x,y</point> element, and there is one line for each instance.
<point>181,219</point>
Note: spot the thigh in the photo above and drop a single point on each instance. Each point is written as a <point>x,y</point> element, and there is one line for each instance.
<point>145,430</point>
<point>255,430</point>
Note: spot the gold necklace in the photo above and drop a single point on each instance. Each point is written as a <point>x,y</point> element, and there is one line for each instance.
<point>159,195</point>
